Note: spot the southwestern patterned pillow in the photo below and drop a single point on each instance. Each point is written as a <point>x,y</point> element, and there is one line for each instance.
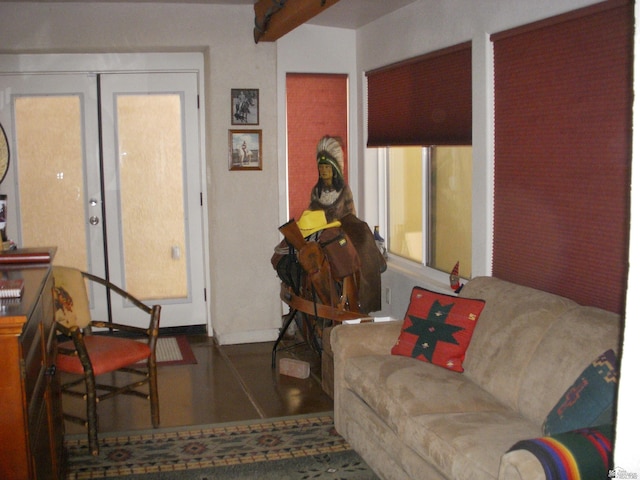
<point>438,328</point>
<point>589,401</point>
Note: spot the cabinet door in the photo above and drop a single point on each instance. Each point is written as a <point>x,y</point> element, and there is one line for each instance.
<point>13,431</point>
<point>31,424</point>
<point>45,422</point>
<point>36,386</point>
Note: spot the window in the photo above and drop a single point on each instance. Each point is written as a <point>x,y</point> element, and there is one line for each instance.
<point>429,205</point>
<point>419,118</point>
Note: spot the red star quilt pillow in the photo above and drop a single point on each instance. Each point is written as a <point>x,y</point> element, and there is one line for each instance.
<point>438,328</point>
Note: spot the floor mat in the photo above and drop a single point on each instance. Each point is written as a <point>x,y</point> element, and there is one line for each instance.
<point>174,351</point>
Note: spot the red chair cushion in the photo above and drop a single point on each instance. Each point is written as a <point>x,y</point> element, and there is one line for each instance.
<point>106,353</point>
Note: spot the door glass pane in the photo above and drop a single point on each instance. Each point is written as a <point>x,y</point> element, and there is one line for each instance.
<point>50,176</point>
<point>150,174</point>
<point>405,202</point>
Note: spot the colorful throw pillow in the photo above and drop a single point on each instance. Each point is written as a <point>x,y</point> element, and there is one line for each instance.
<point>589,401</point>
<point>583,453</point>
<point>438,328</point>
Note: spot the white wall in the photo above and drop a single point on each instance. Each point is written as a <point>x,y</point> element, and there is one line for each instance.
<point>628,422</point>
<point>243,206</point>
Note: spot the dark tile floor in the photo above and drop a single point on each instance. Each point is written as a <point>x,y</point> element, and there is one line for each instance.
<point>229,383</point>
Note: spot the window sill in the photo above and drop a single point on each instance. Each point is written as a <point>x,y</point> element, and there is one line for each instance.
<point>420,275</point>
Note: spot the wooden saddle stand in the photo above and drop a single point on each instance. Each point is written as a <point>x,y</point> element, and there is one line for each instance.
<point>322,278</point>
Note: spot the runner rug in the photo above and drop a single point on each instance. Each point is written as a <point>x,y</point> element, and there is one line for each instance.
<point>304,447</point>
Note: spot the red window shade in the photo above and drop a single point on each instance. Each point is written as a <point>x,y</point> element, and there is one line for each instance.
<point>422,101</point>
<point>562,154</point>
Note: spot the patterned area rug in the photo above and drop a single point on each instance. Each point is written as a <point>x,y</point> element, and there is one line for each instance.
<point>305,447</point>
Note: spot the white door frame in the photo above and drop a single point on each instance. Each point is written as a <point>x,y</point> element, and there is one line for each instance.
<point>122,63</point>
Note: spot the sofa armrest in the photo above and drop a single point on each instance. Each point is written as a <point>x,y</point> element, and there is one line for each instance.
<point>586,450</point>
<point>364,339</point>
<point>520,465</point>
<point>358,340</point>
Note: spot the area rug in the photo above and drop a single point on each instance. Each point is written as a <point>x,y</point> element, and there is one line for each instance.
<point>174,351</point>
<point>302,447</point>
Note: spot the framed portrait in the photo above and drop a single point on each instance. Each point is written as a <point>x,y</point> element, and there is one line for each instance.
<point>245,106</point>
<point>245,149</point>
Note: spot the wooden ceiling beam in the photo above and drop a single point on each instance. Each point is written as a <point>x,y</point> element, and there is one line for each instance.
<point>276,18</point>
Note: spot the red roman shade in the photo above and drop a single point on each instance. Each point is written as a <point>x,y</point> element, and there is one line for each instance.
<point>422,101</point>
<point>562,154</point>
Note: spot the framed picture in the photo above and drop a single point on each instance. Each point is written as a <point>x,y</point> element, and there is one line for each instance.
<point>245,106</point>
<point>245,149</point>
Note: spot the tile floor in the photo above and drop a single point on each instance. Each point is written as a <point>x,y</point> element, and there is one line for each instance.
<point>229,383</point>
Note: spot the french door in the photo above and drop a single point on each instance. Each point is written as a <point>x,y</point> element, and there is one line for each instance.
<point>107,168</point>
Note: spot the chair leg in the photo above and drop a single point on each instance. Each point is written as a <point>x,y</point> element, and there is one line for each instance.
<point>92,413</point>
<point>153,393</point>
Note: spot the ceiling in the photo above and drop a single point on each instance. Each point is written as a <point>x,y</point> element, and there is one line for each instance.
<point>344,14</point>
<point>357,13</point>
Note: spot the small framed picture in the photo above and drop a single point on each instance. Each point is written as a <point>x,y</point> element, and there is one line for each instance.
<point>245,106</point>
<point>245,149</point>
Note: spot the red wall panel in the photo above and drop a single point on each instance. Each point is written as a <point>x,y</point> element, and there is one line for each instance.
<point>316,106</point>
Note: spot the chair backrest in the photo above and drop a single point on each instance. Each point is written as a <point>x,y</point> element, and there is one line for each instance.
<point>70,298</point>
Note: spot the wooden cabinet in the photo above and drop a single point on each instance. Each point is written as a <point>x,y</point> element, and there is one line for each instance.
<point>31,422</point>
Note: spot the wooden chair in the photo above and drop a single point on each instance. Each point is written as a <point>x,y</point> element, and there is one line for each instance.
<point>88,354</point>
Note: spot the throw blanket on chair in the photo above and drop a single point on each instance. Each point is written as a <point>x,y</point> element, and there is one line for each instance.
<point>576,455</point>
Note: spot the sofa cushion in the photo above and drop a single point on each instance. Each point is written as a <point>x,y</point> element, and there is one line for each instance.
<point>571,343</point>
<point>468,445</point>
<point>437,328</point>
<point>530,346</point>
<point>583,453</point>
<point>514,320</point>
<point>396,387</point>
<point>589,401</point>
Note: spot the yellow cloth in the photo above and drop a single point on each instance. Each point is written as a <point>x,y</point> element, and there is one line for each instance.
<point>70,297</point>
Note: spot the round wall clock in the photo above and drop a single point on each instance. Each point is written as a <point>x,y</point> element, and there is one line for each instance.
<point>4,154</point>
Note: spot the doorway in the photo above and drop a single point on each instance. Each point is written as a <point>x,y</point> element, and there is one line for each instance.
<point>106,167</point>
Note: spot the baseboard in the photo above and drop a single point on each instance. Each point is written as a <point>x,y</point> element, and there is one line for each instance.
<point>254,336</point>
<point>184,330</point>
<point>163,332</point>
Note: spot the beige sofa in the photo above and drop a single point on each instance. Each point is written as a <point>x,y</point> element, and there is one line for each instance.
<point>409,419</point>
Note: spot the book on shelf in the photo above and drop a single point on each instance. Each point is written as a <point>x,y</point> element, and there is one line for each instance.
<point>11,288</point>
<point>26,255</point>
